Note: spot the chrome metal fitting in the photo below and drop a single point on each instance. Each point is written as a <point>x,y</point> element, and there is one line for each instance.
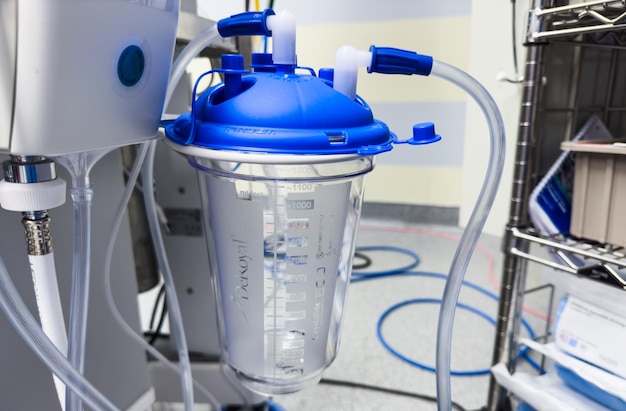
<point>38,235</point>
<point>29,169</point>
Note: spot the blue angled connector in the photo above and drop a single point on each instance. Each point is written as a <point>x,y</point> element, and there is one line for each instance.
<point>389,60</point>
<point>252,23</point>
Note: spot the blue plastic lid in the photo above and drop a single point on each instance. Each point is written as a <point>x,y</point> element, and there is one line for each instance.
<point>280,113</point>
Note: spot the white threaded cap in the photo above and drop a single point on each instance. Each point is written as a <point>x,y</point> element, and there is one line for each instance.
<point>25,197</point>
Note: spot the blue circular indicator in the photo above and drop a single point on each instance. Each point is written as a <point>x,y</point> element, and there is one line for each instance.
<point>131,65</point>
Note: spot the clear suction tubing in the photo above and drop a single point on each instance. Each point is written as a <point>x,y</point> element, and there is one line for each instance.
<point>395,61</point>
<point>474,226</point>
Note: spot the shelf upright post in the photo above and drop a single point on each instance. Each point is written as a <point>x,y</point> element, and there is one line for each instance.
<point>514,267</point>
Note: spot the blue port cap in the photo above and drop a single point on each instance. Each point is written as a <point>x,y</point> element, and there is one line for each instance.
<point>251,23</point>
<point>389,60</point>
<point>424,133</point>
<point>232,62</point>
<point>327,74</point>
<point>131,65</point>
<point>262,63</point>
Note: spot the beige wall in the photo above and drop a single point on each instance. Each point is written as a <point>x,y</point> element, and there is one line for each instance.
<point>491,54</point>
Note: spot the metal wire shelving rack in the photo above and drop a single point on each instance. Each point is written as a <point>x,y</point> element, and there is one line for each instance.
<point>575,68</point>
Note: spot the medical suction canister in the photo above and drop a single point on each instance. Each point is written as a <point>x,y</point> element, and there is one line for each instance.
<point>281,193</point>
<point>281,158</point>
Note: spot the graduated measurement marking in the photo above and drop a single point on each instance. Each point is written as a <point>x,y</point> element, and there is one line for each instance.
<point>298,223</point>
<point>300,205</point>
<point>298,242</point>
<point>295,315</point>
<point>297,259</point>
<point>296,297</point>
<point>292,222</point>
<point>295,278</point>
<point>301,187</point>
<point>292,344</point>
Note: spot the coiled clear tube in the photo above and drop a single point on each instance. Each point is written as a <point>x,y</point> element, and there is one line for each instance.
<point>475,224</point>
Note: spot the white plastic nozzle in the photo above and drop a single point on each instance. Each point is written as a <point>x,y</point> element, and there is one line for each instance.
<point>347,63</point>
<point>283,27</point>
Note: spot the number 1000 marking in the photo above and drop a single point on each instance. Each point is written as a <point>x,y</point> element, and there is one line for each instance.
<point>300,204</point>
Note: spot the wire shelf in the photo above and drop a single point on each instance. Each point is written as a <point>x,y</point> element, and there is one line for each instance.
<point>575,66</point>
<point>583,18</point>
<point>600,262</point>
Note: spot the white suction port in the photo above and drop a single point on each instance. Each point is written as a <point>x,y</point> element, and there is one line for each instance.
<point>347,63</point>
<point>283,27</point>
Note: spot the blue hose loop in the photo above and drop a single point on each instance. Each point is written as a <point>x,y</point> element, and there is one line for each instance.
<point>356,277</point>
<point>423,366</point>
<point>523,352</point>
<point>272,406</point>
